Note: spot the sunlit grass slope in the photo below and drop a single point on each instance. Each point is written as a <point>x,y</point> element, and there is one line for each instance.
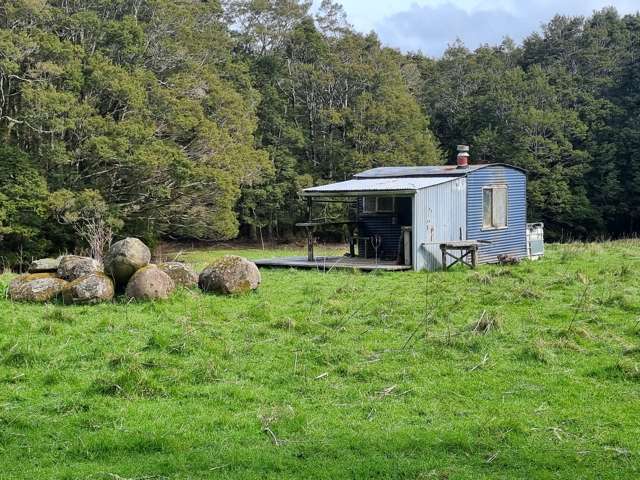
<point>530,371</point>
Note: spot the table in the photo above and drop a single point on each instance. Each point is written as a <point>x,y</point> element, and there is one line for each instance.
<point>311,227</point>
<point>467,248</point>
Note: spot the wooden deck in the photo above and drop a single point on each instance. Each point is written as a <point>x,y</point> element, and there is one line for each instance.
<point>330,263</point>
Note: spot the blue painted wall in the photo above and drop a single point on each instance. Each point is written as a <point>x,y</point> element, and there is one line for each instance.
<point>387,225</point>
<point>389,232</point>
<point>511,240</point>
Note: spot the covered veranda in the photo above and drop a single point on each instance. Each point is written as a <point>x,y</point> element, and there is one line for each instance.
<point>371,245</point>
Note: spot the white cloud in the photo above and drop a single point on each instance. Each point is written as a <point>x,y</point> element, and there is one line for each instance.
<point>432,24</point>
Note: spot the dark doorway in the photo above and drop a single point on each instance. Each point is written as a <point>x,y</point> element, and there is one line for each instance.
<point>380,226</point>
<point>403,211</point>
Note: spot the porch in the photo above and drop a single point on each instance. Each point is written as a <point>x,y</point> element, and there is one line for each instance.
<point>374,217</point>
<point>327,263</point>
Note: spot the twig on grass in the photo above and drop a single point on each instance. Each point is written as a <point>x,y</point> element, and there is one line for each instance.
<point>620,451</point>
<point>115,476</point>
<point>386,391</point>
<point>424,323</point>
<point>485,324</point>
<point>557,431</point>
<point>274,439</point>
<point>482,363</point>
<point>578,308</point>
<point>492,457</point>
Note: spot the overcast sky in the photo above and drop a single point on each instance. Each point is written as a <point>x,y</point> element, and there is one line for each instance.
<point>429,25</point>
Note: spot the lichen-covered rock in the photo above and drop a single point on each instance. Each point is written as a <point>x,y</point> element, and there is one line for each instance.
<point>72,267</point>
<point>230,274</point>
<point>35,287</point>
<point>150,283</point>
<point>180,273</point>
<point>92,288</point>
<point>44,265</point>
<point>125,258</point>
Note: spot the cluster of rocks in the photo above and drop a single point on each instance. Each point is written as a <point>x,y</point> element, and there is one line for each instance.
<point>76,279</point>
<point>127,268</point>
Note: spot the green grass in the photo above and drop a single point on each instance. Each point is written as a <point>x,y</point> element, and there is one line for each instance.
<point>530,371</point>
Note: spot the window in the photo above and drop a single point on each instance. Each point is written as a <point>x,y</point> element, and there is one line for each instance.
<point>370,204</point>
<point>378,204</point>
<point>494,207</point>
<point>385,204</point>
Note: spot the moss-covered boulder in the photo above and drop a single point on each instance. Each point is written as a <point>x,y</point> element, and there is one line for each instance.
<point>72,267</point>
<point>230,274</point>
<point>125,258</point>
<point>35,287</point>
<point>92,288</point>
<point>150,283</point>
<point>45,265</point>
<point>181,273</point>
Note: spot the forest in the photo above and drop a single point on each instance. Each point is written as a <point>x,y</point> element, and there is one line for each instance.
<point>202,120</point>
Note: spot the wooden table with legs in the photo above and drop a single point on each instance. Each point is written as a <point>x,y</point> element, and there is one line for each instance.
<point>467,248</point>
<point>311,228</point>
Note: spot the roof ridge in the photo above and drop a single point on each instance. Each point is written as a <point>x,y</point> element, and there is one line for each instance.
<point>425,170</point>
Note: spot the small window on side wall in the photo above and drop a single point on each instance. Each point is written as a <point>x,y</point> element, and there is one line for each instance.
<point>385,204</point>
<point>494,207</point>
<point>378,205</point>
<point>370,205</point>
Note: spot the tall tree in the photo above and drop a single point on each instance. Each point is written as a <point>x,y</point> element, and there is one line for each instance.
<point>140,102</point>
<point>334,102</point>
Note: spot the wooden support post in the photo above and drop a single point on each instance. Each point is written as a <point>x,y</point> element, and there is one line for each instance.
<point>310,229</point>
<point>310,244</point>
<point>444,257</point>
<point>406,247</point>
<point>474,257</point>
<point>352,246</point>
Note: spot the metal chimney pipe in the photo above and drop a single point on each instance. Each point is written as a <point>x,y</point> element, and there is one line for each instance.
<point>463,156</point>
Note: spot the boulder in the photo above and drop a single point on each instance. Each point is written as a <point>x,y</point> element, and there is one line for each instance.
<point>35,287</point>
<point>72,267</point>
<point>45,265</point>
<point>150,283</point>
<point>125,258</point>
<point>230,274</point>
<point>92,288</point>
<point>181,273</point>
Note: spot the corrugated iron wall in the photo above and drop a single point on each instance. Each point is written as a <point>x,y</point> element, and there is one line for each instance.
<point>387,225</point>
<point>388,231</point>
<point>511,240</point>
<point>439,215</point>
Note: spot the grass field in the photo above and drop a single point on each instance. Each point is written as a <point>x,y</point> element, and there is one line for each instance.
<point>530,371</point>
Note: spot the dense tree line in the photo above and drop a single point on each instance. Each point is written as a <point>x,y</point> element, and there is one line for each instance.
<point>564,106</point>
<point>200,120</point>
<point>132,114</point>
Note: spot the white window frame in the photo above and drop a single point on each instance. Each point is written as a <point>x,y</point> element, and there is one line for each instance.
<point>493,225</point>
<point>364,204</point>
<point>377,208</point>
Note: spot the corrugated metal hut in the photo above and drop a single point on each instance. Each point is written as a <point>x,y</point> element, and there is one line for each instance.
<point>405,213</point>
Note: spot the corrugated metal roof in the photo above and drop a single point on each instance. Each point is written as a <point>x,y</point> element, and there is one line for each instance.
<point>378,185</point>
<point>425,171</point>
